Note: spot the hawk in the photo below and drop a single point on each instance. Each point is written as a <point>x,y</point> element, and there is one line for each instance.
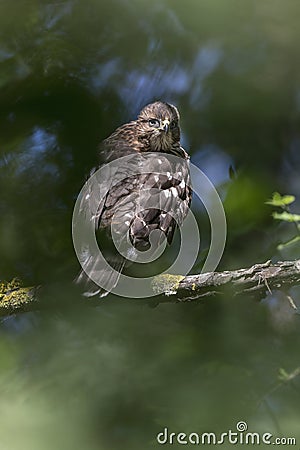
<point>157,197</point>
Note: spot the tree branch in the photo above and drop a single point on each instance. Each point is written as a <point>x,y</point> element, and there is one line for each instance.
<point>257,280</point>
<point>16,298</point>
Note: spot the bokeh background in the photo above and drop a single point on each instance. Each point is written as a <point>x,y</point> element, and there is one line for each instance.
<point>75,376</point>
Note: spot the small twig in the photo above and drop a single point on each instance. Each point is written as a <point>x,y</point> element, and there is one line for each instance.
<point>291,302</point>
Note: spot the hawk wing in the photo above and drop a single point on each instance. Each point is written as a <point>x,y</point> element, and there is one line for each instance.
<point>157,198</point>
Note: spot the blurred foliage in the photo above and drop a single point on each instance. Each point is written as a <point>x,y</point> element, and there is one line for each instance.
<point>73,376</point>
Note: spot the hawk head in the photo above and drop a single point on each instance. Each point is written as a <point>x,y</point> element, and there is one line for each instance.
<point>160,123</point>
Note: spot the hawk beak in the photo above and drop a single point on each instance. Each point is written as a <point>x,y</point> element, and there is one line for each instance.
<point>164,125</point>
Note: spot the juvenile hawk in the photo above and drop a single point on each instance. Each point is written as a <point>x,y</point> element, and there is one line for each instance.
<point>130,204</point>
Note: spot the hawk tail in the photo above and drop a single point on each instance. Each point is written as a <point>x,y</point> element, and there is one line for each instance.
<point>105,277</point>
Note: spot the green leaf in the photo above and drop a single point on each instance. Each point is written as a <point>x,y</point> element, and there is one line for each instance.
<point>282,374</point>
<point>280,200</point>
<point>290,242</point>
<point>286,216</point>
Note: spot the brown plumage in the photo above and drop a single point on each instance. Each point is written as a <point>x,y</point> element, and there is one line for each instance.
<point>125,205</point>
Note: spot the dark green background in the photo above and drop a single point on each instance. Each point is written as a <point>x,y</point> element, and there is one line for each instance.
<point>79,377</point>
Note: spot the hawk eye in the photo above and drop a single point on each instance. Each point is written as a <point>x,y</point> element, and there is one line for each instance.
<point>154,123</point>
<point>173,124</point>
